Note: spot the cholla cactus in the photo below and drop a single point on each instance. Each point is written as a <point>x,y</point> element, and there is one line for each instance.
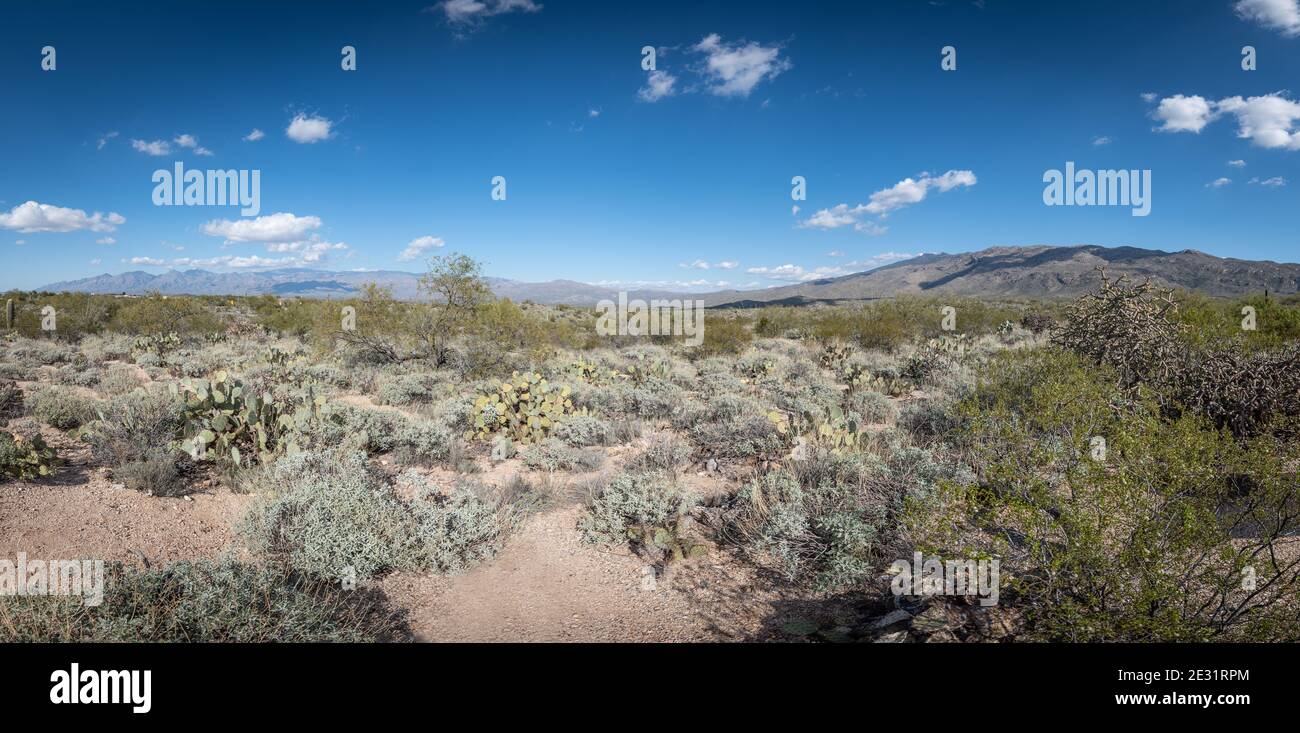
<point>835,354</point>
<point>527,408</point>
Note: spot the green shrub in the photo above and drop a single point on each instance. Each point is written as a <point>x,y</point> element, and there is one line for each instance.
<point>61,407</point>
<point>336,517</point>
<point>1148,536</point>
<point>553,455</point>
<point>818,522</point>
<point>723,335</point>
<point>643,510</point>
<point>585,431</point>
<point>156,473</point>
<point>131,425</point>
<point>204,602</point>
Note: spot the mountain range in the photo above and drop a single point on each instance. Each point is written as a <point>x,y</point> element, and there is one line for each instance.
<point>1003,272</point>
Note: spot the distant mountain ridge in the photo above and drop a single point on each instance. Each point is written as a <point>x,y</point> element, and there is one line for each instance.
<point>1004,272</point>
<point>1033,272</point>
<point>308,283</point>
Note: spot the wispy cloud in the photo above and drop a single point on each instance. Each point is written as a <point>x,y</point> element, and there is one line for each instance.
<point>418,247</point>
<point>704,265</point>
<point>797,274</point>
<point>467,14</point>
<point>157,148</point>
<point>1279,15</point>
<point>255,135</point>
<point>659,84</point>
<point>191,142</point>
<point>1218,183</point>
<point>734,69</point>
<point>103,140</point>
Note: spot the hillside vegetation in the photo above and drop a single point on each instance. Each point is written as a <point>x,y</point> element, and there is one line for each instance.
<point>1130,457</point>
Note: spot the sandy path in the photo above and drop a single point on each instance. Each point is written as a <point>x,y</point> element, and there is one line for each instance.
<point>80,513</point>
<point>546,585</point>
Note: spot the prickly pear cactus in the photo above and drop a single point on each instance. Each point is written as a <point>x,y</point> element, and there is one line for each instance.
<point>26,457</point>
<point>527,408</point>
<point>224,421</point>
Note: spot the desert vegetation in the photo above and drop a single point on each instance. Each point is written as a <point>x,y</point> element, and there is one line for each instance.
<point>1130,458</point>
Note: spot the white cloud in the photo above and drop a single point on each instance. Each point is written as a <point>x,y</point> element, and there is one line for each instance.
<point>907,191</point>
<point>1149,97</point>
<point>155,147</point>
<point>835,253</point>
<point>705,265</point>
<point>304,129</point>
<point>106,240</point>
<point>103,140</point>
<point>149,261</point>
<point>20,242</point>
<point>34,217</point>
<point>1237,163</point>
<point>904,193</point>
<point>418,246</point>
<point>659,84</point>
<point>1101,140</point>
<point>471,12</point>
<point>593,113</point>
<point>255,135</point>
<point>1218,183</point>
<point>734,70</point>
<point>1274,182</point>
<point>832,218</point>
<point>1183,114</point>
<point>794,210</point>
<point>191,142</point>
<point>797,274</point>
<point>1279,15</point>
<point>1268,121</point>
<point>280,227</point>
<point>96,261</point>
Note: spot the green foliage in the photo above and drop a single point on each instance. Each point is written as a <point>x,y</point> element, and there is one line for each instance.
<point>527,409</point>
<point>223,421</point>
<point>164,316</point>
<point>337,518</point>
<point>155,472</point>
<point>723,335</point>
<point>585,431</point>
<point>1149,540</point>
<point>61,407</point>
<point>204,602</point>
<point>25,457</point>
<point>129,426</point>
<point>645,511</point>
<point>553,455</point>
<point>819,521</point>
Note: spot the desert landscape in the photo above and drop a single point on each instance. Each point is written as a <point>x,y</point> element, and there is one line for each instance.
<point>460,466</point>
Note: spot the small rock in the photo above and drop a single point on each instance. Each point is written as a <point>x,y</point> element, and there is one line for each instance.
<point>894,637</point>
<point>891,618</point>
<point>933,619</point>
<point>712,465</point>
<point>942,637</point>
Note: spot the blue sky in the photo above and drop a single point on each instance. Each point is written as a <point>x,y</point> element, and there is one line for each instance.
<point>614,177</point>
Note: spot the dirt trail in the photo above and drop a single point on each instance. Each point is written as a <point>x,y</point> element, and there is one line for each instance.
<point>546,585</point>
<point>81,513</point>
